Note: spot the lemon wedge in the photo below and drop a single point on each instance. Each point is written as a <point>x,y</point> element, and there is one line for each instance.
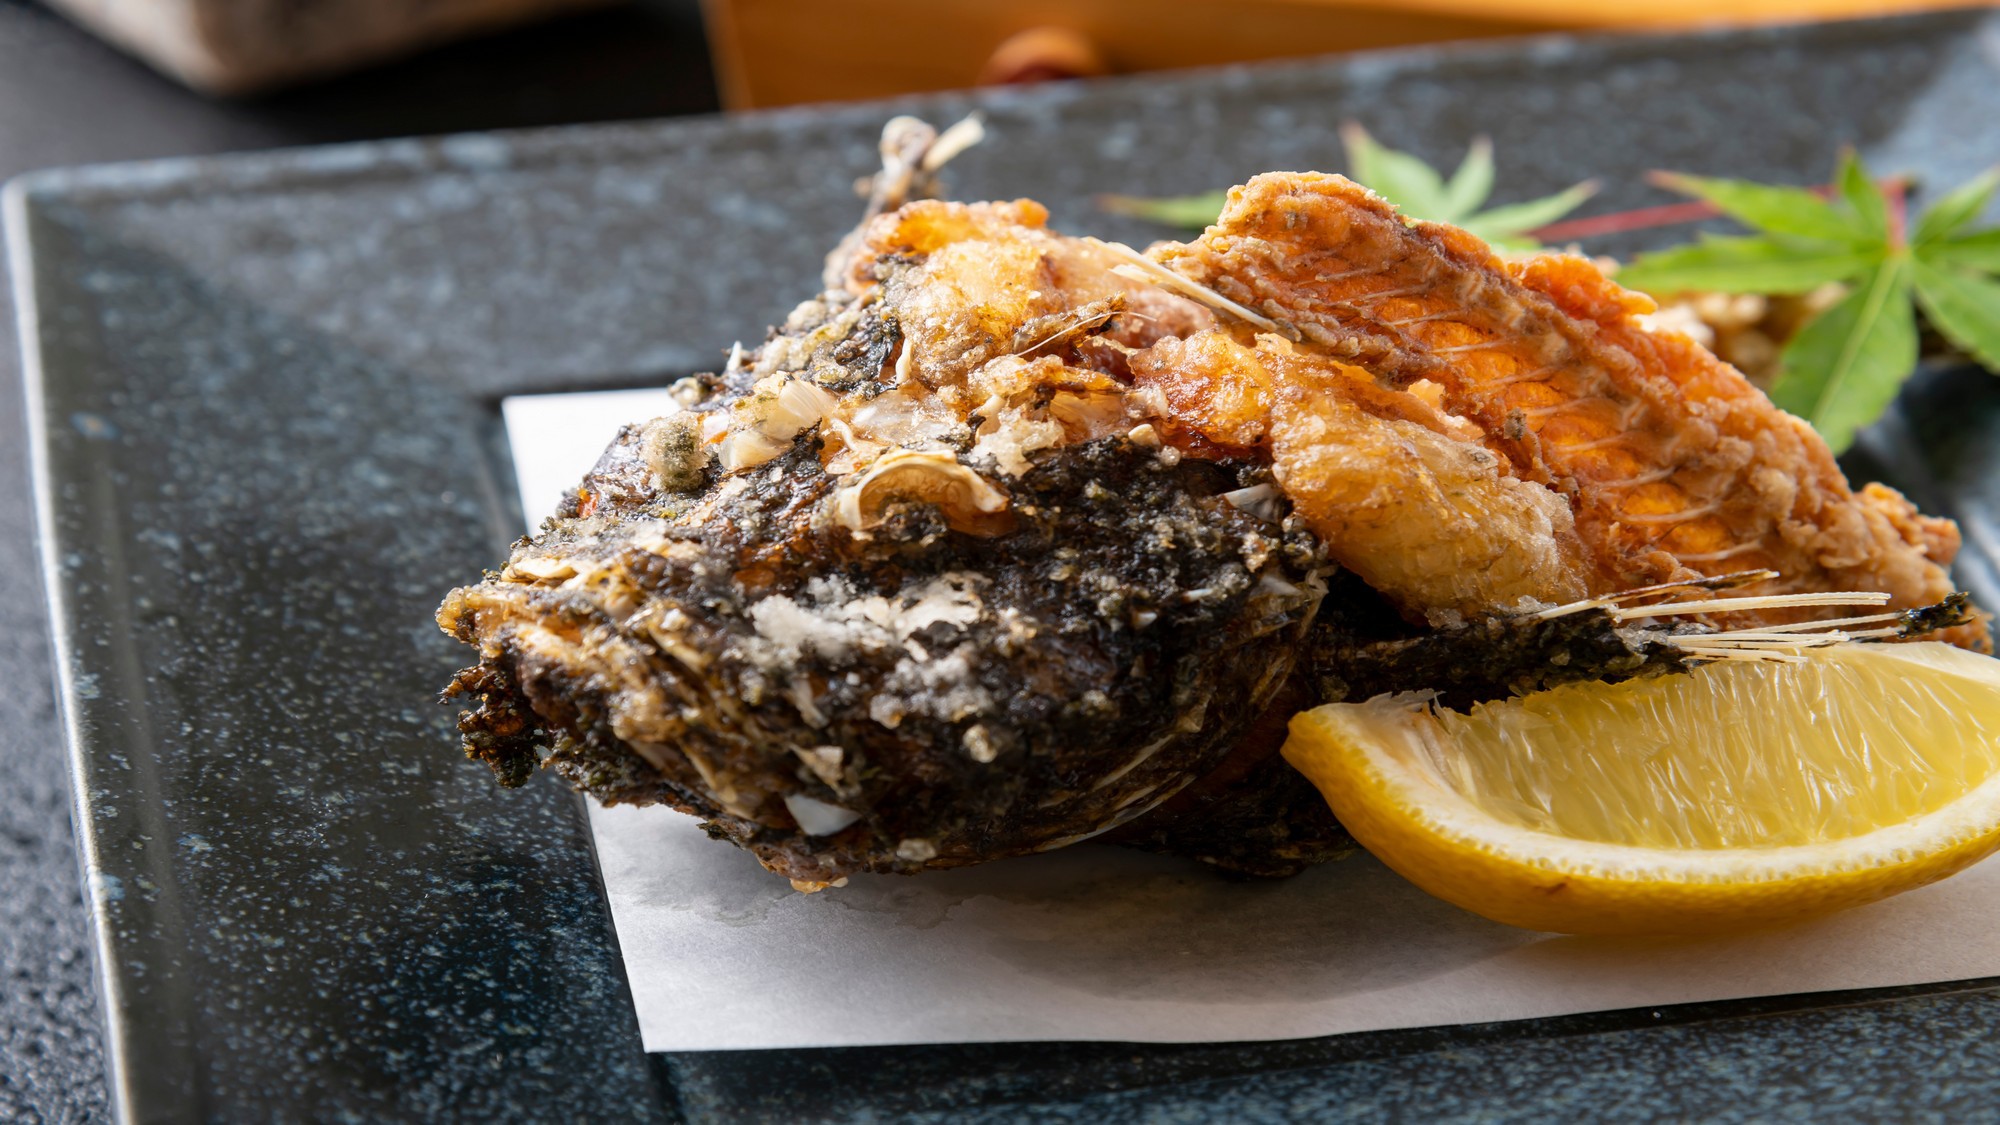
<point>1735,796</point>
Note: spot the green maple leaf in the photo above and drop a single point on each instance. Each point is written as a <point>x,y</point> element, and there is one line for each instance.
<point>1417,189</point>
<point>1845,366</point>
<point>1188,212</point>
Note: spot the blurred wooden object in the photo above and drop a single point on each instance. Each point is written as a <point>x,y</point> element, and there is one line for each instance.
<point>242,46</point>
<point>782,52</point>
<point>1043,54</point>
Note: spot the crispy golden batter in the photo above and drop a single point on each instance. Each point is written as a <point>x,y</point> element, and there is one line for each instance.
<point>1399,495</point>
<point>994,310</point>
<point>1673,463</point>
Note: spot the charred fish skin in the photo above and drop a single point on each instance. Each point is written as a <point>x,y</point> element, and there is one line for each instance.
<point>1490,658</point>
<point>919,698</point>
<point>1268,824</point>
<point>1480,660</point>
<point>1253,816</point>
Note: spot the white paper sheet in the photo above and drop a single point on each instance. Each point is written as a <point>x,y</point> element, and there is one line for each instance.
<point>1104,943</point>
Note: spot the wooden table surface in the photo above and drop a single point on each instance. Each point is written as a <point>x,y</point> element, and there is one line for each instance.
<point>785,52</point>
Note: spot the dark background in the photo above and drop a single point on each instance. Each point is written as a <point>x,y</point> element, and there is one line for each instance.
<point>66,98</point>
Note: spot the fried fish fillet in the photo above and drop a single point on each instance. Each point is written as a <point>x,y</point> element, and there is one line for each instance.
<point>1009,538</point>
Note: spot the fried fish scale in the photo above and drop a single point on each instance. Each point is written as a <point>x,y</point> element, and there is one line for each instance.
<point>1674,464</point>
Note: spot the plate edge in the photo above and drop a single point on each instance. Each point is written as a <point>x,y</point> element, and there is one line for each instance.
<point>258,169</point>
<point>16,223</point>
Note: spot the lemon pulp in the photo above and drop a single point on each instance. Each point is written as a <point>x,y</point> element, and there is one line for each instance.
<point>1736,795</point>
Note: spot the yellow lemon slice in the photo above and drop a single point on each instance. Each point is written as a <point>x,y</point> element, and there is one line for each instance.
<point>1739,795</point>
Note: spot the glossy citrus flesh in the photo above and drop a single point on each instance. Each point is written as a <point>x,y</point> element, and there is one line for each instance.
<point>1735,796</point>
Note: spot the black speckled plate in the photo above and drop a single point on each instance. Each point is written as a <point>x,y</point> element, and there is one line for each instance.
<point>263,397</point>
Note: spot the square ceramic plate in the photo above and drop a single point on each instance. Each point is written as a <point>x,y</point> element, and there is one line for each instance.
<point>263,392</point>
